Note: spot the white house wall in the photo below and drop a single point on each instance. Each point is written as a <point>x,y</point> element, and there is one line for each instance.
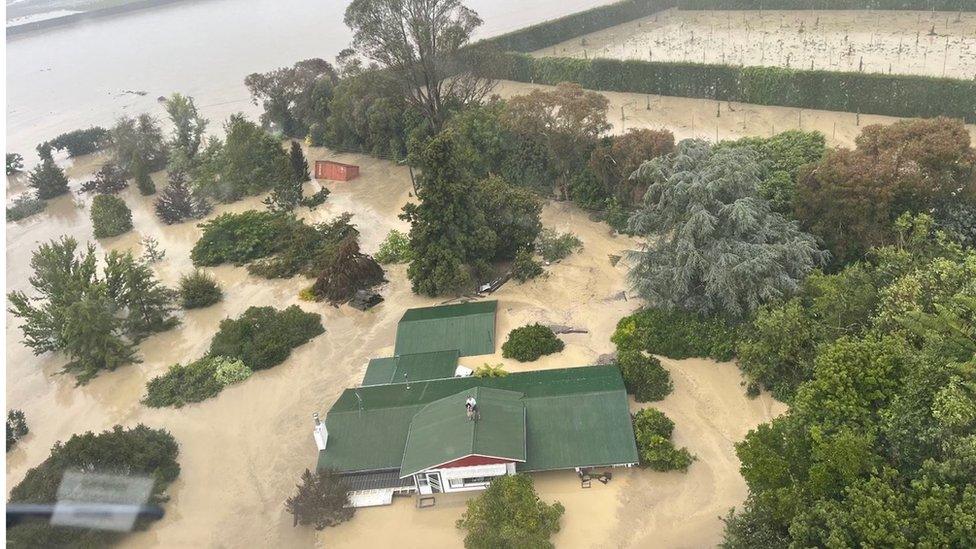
<point>492,470</point>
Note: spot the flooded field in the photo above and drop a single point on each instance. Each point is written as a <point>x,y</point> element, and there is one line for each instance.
<point>707,119</point>
<point>902,42</point>
<point>241,452</point>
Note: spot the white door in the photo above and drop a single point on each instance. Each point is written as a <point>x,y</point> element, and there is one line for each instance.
<point>434,480</point>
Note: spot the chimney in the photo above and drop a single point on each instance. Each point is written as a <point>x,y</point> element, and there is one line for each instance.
<point>320,433</point>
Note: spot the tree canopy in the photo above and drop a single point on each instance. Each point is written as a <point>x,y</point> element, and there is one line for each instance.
<point>712,245</point>
<point>509,513</point>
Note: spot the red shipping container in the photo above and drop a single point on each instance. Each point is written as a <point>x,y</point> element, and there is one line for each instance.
<point>337,171</point>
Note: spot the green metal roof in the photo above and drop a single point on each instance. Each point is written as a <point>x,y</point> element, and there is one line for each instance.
<point>417,367</point>
<point>441,431</point>
<point>467,327</point>
<point>575,417</point>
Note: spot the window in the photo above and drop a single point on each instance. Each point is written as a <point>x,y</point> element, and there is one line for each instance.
<point>462,482</point>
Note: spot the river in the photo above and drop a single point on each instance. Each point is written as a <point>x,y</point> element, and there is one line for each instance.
<point>72,77</point>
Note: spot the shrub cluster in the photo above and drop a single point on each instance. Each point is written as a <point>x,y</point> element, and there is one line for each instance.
<point>199,289</point>
<point>263,337</point>
<point>529,342</point>
<point>284,244</point>
<point>653,431</point>
<point>874,93</point>
<point>110,216</point>
<point>197,381</point>
<point>675,334</point>
<point>644,376</point>
<point>138,451</point>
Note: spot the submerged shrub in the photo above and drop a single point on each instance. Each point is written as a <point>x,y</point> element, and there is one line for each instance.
<point>644,376</point>
<point>395,248</point>
<point>183,384</point>
<point>110,216</point>
<point>525,267</point>
<point>653,431</point>
<point>321,500</point>
<point>675,334</point>
<point>529,342</point>
<point>16,427</point>
<point>199,289</point>
<point>139,451</point>
<point>554,246</point>
<point>263,337</point>
<point>25,206</point>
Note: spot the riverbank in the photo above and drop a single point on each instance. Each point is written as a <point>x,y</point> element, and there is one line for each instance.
<point>72,18</point>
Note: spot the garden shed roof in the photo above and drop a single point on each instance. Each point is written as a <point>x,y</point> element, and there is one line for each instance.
<point>467,327</point>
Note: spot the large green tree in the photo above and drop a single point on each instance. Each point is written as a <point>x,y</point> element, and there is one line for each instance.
<point>136,140</point>
<point>250,162</point>
<point>294,98</point>
<point>449,232</point>
<point>94,320</point>
<point>420,43</point>
<point>711,245</point>
<point>851,197</point>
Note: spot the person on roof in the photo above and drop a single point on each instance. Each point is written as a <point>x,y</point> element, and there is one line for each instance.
<point>471,408</point>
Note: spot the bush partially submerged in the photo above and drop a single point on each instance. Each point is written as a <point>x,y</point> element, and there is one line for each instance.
<point>348,272</point>
<point>199,289</point>
<point>644,376</point>
<point>553,246</point>
<point>321,500</point>
<point>110,216</point>
<point>263,337</point>
<point>509,513</point>
<point>25,206</point>
<point>395,248</point>
<point>490,370</point>
<point>139,451</point>
<point>16,427</point>
<point>529,342</point>
<point>675,334</point>
<point>197,381</point>
<point>653,431</point>
<point>276,244</point>
<point>525,267</point>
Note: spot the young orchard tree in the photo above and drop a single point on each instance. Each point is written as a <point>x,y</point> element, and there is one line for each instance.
<point>287,195</point>
<point>177,203</point>
<point>712,246</point>
<point>15,163</point>
<point>569,119</point>
<point>418,41</point>
<point>188,125</point>
<point>48,179</point>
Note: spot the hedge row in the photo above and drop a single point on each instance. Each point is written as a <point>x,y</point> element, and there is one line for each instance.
<point>886,94</point>
<point>565,28</point>
<point>926,5</point>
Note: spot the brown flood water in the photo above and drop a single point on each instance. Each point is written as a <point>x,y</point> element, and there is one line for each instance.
<point>242,452</point>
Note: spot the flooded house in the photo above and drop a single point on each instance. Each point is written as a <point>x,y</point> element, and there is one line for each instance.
<point>419,424</point>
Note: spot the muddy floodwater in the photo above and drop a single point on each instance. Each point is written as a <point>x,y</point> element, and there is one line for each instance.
<point>901,42</point>
<point>242,452</point>
<point>72,77</point>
